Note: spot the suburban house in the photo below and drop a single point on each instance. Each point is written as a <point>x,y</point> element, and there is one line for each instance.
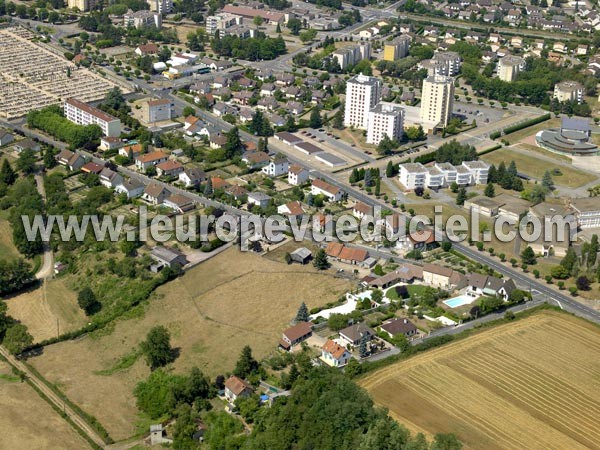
<point>259,199</point>
<point>334,355</point>
<point>235,387</point>
<point>291,209</point>
<point>109,178</point>
<point>237,192</point>
<point>350,255</point>
<point>405,273</point>
<point>278,166</point>
<point>297,175</point>
<point>295,335</point>
<point>420,240</point>
<point>27,144</point>
<point>131,188</point>
<point>179,203</point>
<point>92,168</point>
<point>440,276</point>
<point>320,187</point>
<point>334,249</point>
<point>131,151</point>
<point>394,327</point>
<point>256,160</point>
<point>167,257</point>
<point>110,143</point>
<point>147,160</point>
<point>155,193</point>
<point>192,177</point>
<point>354,333</point>
<point>169,168</point>
<point>360,209</point>
<point>5,138</point>
<point>73,161</point>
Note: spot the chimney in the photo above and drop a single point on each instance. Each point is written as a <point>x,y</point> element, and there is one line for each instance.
<point>405,321</point>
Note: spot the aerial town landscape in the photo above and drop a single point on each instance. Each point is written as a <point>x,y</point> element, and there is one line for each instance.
<point>432,166</point>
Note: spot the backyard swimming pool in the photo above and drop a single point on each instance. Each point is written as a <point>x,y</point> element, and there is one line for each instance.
<point>461,300</point>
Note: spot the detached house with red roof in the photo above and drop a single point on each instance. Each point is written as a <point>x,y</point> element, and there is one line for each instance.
<point>235,388</point>
<point>320,187</point>
<point>169,168</point>
<point>334,355</point>
<point>147,160</point>
<point>295,335</point>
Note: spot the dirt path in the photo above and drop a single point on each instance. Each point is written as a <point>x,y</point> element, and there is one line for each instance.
<point>53,398</point>
<point>47,269</point>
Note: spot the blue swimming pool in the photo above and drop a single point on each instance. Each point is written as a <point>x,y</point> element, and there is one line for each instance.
<point>461,300</point>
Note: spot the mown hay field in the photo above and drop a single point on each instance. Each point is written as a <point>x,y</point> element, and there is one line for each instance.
<point>212,312</point>
<point>532,384</point>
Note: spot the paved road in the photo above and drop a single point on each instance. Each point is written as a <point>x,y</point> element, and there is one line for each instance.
<point>53,398</point>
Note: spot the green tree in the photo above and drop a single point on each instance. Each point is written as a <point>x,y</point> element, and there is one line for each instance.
<point>294,25</point>
<point>188,111</point>
<point>461,197</point>
<point>302,315</point>
<point>569,261</point>
<point>415,133</point>
<point>315,120</point>
<point>547,181</point>
<point>87,301</point>
<point>208,188</point>
<point>593,251</point>
<point>528,256</point>
<point>246,364</point>
<point>363,349</point>
<point>157,347</point>
<point>17,338</point>
<point>320,261</point>
<point>234,145</point>
<point>446,442</point>
<point>7,175</point>
<point>386,145</point>
<point>338,119</point>
<point>26,161</point>
<point>489,190</point>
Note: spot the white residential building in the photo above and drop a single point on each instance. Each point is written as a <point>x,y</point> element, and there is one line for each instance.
<point>509,67</point>
<point>142,19</point>
<point>297,175</point>
<point>349,56</point>
<point>413,175</point>
<point>220,22</point>
<point>479,171</point>
<point>385,119</point>
<point>397,48</point>
<point>157,110</point>
<point>443,63</point>
<point>83,114</point>
<point>362,94</point>
<point>437,99</point>
<point>277,166</point>
<point>568,91</point>
<point>161,6</point>
<point>320,187</point>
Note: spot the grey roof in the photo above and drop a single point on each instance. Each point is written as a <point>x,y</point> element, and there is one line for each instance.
<point>301,252</point>
<point>331,159</point>
<point>357,331</point>
<point>166,254</point>
<point>573,123</point>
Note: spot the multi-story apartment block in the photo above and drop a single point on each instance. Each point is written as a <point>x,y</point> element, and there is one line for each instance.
<point>568,91</point>
<point>385,119</point>
<point>156,110</point>
<point>443,63</point>
<point>437,99</point>
<point>220,22</point>
<point>414,175</point>
<point>349,56</point>
<point>161,6</point>
<point>142,19</point>
<point>509,67</point>
<point>83,114</point>
<point>397,48</point>
<point>362,94</point>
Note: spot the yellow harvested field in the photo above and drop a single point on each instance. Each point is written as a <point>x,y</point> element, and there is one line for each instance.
<point>47,310</point>
<point>7,248</point>
<point>532,384</point>
<point>213,311</point>
<point>28,422</point>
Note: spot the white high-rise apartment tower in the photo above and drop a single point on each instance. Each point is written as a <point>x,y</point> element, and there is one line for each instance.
<point>362,94</point>
<point>437,99</point>
<point>385,119</point>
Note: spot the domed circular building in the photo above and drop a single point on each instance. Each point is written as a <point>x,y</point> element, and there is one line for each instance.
<point>573,137</point>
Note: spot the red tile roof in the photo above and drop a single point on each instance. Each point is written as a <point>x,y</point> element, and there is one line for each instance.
<point>334,349</point>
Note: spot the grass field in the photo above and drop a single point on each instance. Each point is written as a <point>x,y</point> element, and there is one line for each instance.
<point>535,167</point>
<point>212,312</point>
<point>530,384</point>
<point>41,308</point>
<point>517,136</point>
<point>28,422</point>
<point>7,248</point>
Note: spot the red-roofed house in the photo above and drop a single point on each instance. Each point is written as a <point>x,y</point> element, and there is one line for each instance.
<point>169,168</point>
<point>236,387</point>
<point>295,335</point>
<point>334,355</point>
<point>320,187</point>
<point>147,160</point>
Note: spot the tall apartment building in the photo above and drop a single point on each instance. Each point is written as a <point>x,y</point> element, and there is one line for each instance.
<point>349,56</point>
<point>397,48</point>
<point>221,22</point>
<point>362,94</point>
<point>82,5</point>
<point>437,99</point>
<point>385,119</point>
<point>443,63</point>
<point>142,19</point>
<point>509,67</point>
<point>161,6</point>
<point>83,114</point>
<point>568,91</point>
<point>156,110</point>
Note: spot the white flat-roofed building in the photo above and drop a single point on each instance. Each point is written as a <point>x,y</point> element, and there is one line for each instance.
<point>463,176</point>
<point>479,171</point>
<point>568,91</point>
<point>443,63</point>
<point>157,110</point>
<point>362,94</point>
<point>142,19</point>
<point>587,212</point>
<point>413,175</point>
<point>161,6</point>
<point>220,22</point>
<point>435,178</point>
<point>385,119</point>
<point>83,114</point>
<point>449,172</point>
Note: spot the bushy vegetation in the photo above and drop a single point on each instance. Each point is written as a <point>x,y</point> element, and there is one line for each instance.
<point>251,49</point>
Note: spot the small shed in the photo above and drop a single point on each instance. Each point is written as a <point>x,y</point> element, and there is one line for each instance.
<point>301,255</point>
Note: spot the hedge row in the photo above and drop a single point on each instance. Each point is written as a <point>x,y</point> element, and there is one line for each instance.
<point>527,123</point>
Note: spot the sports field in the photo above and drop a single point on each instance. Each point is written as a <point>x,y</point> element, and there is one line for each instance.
<point>532,384</point>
